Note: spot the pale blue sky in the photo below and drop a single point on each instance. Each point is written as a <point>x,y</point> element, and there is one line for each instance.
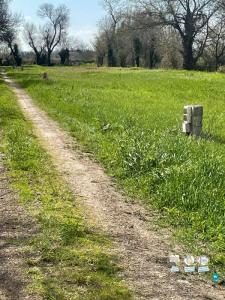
<point>84,17</point>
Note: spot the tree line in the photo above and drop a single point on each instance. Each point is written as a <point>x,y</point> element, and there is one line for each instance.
<point>187,34</point>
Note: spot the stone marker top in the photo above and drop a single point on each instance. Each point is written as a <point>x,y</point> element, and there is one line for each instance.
<point>193,115</point>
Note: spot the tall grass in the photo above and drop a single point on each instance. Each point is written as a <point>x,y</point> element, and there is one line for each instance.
<point>131,121</point>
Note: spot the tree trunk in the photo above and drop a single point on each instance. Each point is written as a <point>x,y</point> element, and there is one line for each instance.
<point>111,57</point>
<point>100,60</point>
<point>38,56</point>
<point>152,61</point>
<point>217,63</point>
<point>189,61</point>
<point>137,61</point>
<point>49,58</point>
<point>16,57</point>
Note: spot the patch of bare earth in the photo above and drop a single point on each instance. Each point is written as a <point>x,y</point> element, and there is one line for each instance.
<point>15,228</point>
<point>142,247</point>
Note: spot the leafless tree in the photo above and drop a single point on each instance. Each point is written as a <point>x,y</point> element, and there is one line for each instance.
<point>216,43</point>
<point>10,39</point>
<point>107,34</point>
<point>109,24</point>
<point>5,18</point>
<point>9,25</point>
<point>169,49</point>
<point>8,22</point>
<point>56,26</point>
<point>100,49</point>
<point>114,9</point>
<point>34,39</point>
<point>190,18</point>
<point>149,35</point>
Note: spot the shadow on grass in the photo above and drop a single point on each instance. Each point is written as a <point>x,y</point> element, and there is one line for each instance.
<point>213,138</point>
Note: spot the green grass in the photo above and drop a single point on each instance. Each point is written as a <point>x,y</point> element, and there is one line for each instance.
<point>130,120</point>
<point>68,258</point>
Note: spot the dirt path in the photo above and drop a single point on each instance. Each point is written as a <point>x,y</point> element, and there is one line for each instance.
<point>15,227</point>
<point>142,248</point>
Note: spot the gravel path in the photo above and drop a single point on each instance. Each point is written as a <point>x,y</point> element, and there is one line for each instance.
<point>142,248</point>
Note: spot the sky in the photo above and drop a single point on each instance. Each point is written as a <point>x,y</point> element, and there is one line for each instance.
<point>84,16</point>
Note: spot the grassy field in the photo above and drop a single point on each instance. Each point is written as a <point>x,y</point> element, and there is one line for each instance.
<point>131,119</point>
<point>70,259</point>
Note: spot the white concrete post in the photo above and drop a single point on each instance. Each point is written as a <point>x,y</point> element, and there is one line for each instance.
<point>192,124</point>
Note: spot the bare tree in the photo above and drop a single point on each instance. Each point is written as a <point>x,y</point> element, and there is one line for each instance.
<point>108,34</point>
<point>8,21</point>
<point>170,49</point>
<point>216,45</point>
<point>5,18</point>
<point>64,55</point>
<point>4,53</point>
<point>100,50</point>
<point>114,9</point>
<point>190,18</point>
<point>56,26</point>
<point>144,29</point>
<point>8,31</point>
<point>34,40</point>
<point>10,39</point>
